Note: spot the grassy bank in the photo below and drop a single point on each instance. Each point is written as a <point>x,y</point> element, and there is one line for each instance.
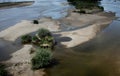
<point>11,4</point>
<point>85,4</point>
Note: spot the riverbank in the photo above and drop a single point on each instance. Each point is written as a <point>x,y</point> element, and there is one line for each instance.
<point>78,28</point>
<point>15,4</point>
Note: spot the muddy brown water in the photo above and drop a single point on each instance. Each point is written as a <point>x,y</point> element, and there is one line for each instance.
<point>97,57</point>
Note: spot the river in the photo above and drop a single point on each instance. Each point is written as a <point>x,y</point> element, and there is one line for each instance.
<point>97,57</point>
<point>41,8</point>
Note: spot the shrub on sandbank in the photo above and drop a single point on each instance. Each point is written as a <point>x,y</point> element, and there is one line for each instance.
<point>42,58</point>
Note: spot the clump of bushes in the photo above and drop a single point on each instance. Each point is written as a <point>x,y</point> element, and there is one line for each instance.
<point>35,22</point>
<point>35,40</point>
<point>42,33</point>
<point>43,58</point>
<point>43,39</point>
<point>84,4</point>
<point>3,72</point>
<point>26,39</point>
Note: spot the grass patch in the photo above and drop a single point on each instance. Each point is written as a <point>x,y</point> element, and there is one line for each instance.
<point>43,55</point>
<point>85,4</point>
<point>42,33</point>
<point>43,38</point>
<point>26,39</point>
<point>42,59</point>
<point>35,40</point>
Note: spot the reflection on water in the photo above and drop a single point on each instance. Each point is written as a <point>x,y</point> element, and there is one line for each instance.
<point>98,57</point>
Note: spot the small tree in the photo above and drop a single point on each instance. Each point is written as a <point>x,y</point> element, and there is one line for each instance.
<point>43,33</point>
<point>42,58</point>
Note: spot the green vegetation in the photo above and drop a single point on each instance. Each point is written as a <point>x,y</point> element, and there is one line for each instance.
<point>43,58</point>
<point>26,39</point>
<point>42,33</point>
<point>3,72</point>
<point>79,4</point>
<point>85,4</point>
<point>35,40</point>
<point>43,38</point>
<point>45,41</point>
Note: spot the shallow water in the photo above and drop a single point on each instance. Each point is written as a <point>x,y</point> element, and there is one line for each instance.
<point>11,16</point>
<point>1,1</point>
<point>41,8</point>
<point>97,57</point>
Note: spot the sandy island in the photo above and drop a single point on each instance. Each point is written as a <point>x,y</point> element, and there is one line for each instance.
<point>87,26</point>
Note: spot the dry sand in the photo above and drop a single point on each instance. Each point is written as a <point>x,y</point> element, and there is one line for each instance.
<point>89,25</point>
<point>26,27</point>
<point>19,64</point>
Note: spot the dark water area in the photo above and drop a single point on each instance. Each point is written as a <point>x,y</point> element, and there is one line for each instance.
<point>7,48</point>
<point>97,57</point>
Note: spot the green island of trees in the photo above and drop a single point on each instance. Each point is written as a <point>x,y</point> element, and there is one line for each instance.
<point>43,38</point>
<point>45,42</point>
<point>85,4</point>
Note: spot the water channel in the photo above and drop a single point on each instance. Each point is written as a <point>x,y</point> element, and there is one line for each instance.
<point>40,8</point>
<point>97,57</point>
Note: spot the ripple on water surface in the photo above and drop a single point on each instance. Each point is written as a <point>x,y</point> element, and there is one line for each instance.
<point>41,8</point>
<point>97,57</point>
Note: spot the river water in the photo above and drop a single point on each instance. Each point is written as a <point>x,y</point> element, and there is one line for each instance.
<point>1,1</point>
<point>97,57</point>
<point>41,8</point>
